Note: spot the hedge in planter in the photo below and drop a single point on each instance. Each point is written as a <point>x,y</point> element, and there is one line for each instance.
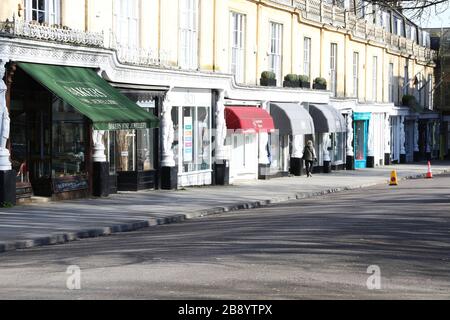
<point>320,83</point>
<point>268,78</point>
<point>409,100</point>
<point>291,80</point>
<point>304,81</point>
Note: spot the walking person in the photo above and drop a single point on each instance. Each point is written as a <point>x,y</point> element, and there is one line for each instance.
<point>309,155</point>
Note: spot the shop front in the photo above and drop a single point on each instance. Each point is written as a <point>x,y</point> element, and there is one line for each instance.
<point>133,154</point>
<point>294,126</point>
<point>191,116</point>
<point>360,139</point>
<point>58,114</point>
<point>330,136</point>
<point>248,135</point>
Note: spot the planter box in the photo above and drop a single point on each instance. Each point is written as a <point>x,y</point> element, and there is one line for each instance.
<point>268,82</point>
<point>306,85</point>
<point>291,84</point>
<point>319,86</point>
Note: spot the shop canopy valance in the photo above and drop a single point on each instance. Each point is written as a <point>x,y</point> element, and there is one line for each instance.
<point>291,119</point>
<point>249,119</point>
<point>327,118</point>
<point>92,96</point>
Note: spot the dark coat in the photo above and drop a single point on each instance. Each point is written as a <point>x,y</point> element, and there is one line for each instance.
<point>309,154</point>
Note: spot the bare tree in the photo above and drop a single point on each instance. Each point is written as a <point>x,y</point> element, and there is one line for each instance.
<point>413,9</point>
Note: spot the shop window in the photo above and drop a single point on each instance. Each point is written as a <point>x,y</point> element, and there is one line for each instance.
<point>68,140</point>
<point>18,139</point>
<point>338,146</point>
<point>195,137</point>
<point>43,11</point>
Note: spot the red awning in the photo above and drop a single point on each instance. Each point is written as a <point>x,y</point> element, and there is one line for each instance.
<point>248,119</point>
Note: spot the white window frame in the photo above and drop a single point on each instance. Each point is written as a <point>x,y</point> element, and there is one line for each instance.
<point>307,57</point>
<point>356,74</point>
<point>276,50</point>
<point>391,82</point>
<point>52,11</point>
<point>333,67</point>
<point>237,45</point>
<point>188,34</point>
<point>430,91</point>
<point>126,23</point>
<point>375,78</point>
<point>406,78</point>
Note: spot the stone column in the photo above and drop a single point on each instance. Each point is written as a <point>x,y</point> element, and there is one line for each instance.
<point>416,141</point>
<point>296,161</point>
<point>402,140</point>
<point>350,160</point>
<point>387,141</point>
<point>263,159</point>
<point>7,175</point>
<point>222,163</point>
<point>371,144</point>
<point>169,170</point>
<point>5,162</point>
<point>326,145</point>
<point>100,186</point>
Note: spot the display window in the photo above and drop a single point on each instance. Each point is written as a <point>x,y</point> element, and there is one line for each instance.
<point>192,141</point>
<point>68,141</point>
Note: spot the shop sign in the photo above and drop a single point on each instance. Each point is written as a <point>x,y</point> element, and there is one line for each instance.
<point>188,140</point>
<point>61,185</point>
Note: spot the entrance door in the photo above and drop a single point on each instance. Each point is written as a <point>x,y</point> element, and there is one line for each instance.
<point>409,141</point>
<point>360,144</point>
<point>244,159</point>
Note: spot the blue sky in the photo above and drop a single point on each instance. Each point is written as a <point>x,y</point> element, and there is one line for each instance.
<point>433,20</point>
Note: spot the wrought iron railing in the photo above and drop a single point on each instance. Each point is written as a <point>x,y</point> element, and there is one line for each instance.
<point>38,31</point>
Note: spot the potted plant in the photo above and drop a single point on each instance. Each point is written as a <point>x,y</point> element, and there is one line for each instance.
<point>268,78</point>
<point>291,81</point>
<point>409,100</point>
<point>304,81</point>
<point>320,83</point>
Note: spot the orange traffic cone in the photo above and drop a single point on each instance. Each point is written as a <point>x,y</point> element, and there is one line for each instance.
<point>394,179</point>
<point>429,173</point>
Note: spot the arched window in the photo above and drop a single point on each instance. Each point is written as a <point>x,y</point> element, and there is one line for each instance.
<point>43,11</point>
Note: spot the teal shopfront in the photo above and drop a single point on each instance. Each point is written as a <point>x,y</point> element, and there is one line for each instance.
<point>361,130</point>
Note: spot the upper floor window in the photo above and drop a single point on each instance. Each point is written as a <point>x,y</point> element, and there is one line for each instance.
<point>188,34</point>
<point>375,78</point>
<point>43,11</point>
<point>391,82</point>
<point>238,46</point>
<point>126,23</point>
<point>307,57</point>
<point>355,74</point>
<point>275,53</point>
<point>333,68</point>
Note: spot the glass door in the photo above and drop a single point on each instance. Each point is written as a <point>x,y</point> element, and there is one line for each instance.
<point>360,144</point>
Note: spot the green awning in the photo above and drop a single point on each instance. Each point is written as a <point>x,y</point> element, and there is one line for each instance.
<point>92,96</point>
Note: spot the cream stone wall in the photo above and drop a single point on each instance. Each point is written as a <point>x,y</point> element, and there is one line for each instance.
<point>159,31</point>
<point>10,9</point>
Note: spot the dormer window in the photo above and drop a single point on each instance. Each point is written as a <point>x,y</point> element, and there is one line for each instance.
<point>43,11</point>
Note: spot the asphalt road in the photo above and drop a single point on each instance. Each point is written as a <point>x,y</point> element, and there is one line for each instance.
<point>316,248</point>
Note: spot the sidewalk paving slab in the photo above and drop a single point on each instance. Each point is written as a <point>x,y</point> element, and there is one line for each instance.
<point>28,226</point>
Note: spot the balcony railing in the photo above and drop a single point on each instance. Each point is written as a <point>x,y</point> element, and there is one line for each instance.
<point>34,30</point>
<point>326,13</point>
<point>139,56</point>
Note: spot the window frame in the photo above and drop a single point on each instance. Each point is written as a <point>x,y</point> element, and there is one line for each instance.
<point>276,50</point>
<point>307,57</point>
<point>51,11</point>
<point>237,45</point>
<point>188,34</point>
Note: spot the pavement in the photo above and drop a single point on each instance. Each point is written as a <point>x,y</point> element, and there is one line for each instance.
<point>28,226</point>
